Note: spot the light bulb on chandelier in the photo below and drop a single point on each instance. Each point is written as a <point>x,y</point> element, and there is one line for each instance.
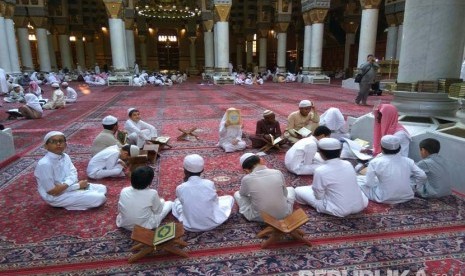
<point>166,10</point>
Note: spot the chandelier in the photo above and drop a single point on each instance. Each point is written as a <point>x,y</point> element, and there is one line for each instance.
<point>166,9</point>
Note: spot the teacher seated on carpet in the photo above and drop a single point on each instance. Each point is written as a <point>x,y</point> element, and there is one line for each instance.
<point>106,137</point>
<point>57,179</point>
<point>197,205</point>
<point>267,129</point>
<point>306,117</point>
<point>263,189</point>
<point>138,131</point>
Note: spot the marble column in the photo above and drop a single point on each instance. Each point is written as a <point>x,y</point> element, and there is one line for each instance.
<point>143,50</point>
<point>192,56</point>
<point>4,53</point>
<point>25,48</point>
<point>209,47</point>
<point>65,52</point>
<point>307,49</point>
<point>391,43</point>
<point>89,48</point>
<point>12,48</point>
<point>51,51</point>
<point>281,58</point>
<point>222,36</point>
<point>42,48</point>
<point>117,35</point>
<point>249,51</point>
<point>262,52</point>
<point>80,53</point>
<point>400,33</point>
<point>131,53</point>
<point>368,28</point>
<point>433,40</point>
<point>350,40</point>
<point>215,45</point>
<point>317,46</point>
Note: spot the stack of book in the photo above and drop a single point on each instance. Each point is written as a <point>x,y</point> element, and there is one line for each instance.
<point>406,86</point>
<point>428,86</point>
<point>444,84</point>
<point>457,90</point>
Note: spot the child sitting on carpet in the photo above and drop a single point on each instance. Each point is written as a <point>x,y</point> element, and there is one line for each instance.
<point>438,181</point>
<point>139,204</point>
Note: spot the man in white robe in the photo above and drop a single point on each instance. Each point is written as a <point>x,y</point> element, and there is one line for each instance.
<point>140,205</point>
<point>138,131</point>
<point>58,98</point>
<point>197,205</point>
<point>71,94</point>
<point>57,179</point>
<point>230,135</point>
<point>334,120</point>
<point>106,137</point>
<point>390,176</point>
<point>303,157</point>
<point>333,193</point>
<point>110,162</point>
<point>263,189</point>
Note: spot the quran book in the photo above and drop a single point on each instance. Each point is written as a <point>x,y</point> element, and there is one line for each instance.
<point>164,233</point>
<point>122,137</point>
<point>162,139</point>
<point>362,143</point>
<point>276,141</point>
<point>233,117</point>
<point>304,132</point>
<point>355,149</point>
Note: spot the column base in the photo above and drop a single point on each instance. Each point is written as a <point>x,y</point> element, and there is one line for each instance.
<point>425,104</point>
<point>316,79</point>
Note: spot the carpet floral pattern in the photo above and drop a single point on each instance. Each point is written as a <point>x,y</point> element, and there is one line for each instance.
<point>38,239</point>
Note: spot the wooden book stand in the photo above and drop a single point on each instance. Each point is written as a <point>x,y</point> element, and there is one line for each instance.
<point>288,225</point>
<point>137,161</point>
<point>152,152</point>
<point>186,133</point>
<point>144,239</point>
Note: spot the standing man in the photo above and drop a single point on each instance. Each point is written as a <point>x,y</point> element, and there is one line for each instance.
<point>368,70</point>
<point>57,179</point>
<point>306,117</point>
<point>106,137</point>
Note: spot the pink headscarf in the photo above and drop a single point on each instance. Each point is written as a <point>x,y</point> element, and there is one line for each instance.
<point>389,125</point>
<point>33,86</point>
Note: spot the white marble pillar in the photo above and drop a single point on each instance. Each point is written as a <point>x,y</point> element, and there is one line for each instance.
<point>12,46</point>
<point>4,53</point>
<point>281,55</point>
<point>65,52</point>
<point>209,52</point>
<point>350,39</point>
<point>249,53</point>
<point>90,54</point>
<point>80,54</point>
<point>307,49</point>
<point>42,48</point>
<point>368,28</point>
<point>391,43</point>
<point>118,44</point>
<point>317,45</point>
<point>51,51</point>
<point>25,49</point>
<point>215,43</point>
<point>262,54</point>
<point>239,51</point>
<point>131,53</point>
<point>400,33</point>
<point>223,47</point>
<point>433,40</point>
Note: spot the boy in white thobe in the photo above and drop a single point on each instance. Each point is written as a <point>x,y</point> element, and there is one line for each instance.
<point>230,135</point>
<point>302,158</point>
<point>71,94</point>
<point>263,189</point>
<point>57,180</point>
<point>389,177</point>
<point>58,98</point>
<point>334,189</point>
<point>138,130</point>
<point>197,205</point>
<point>140,205</point>
<point>110,162</point>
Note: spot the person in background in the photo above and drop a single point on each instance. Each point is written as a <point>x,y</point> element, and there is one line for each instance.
<point>71,95</point>
<point>58,98</point>
<point>369,70</point>
<point>32,109</point>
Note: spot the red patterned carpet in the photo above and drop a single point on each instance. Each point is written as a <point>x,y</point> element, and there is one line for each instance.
<point>420,235</point>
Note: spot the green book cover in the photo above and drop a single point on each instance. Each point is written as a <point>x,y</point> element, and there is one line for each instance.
<point>164,233</point>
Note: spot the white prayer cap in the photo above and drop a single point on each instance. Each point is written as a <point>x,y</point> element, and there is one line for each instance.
<point>15,85</point>
<point>193,163</point>
<point>390,142</point>
<point>55,85</point>
<point>267,113</point>
<point>52,133</point>
<point>130,109</point>
<point>109,120</point>
<point>134,151</point>
<point>329,144</point>
<point>305,103</point>
<point>245,156</point>
<point>26,74</point>
<point>64,83</point>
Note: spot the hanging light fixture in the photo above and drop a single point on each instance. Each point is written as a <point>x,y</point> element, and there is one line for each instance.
<point>167,9</point>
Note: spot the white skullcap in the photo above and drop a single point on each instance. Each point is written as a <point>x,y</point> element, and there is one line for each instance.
<point>305,103</point>
<point>329,144</point>
<point>130,109</point>
<point>244,157</point>
<point>134,151</point>
<point>193,163</point>
<point>64,83</point>
<point>267,113</point>
<point>26,74</point>
<point>56,85</point>
<point>390,142</point>
<point>52,133</point>
<point>109,120</point>
<point>15,85</point>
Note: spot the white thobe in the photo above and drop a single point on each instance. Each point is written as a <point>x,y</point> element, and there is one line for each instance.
<point>198,206</point>
<point>389,178</point>
<point>137,81</point>
<point>139,132</point>
<point>228,135</point>
<point>105,164</point>
<point>333,193</point>
<point>302,158</point>
<point>141,207</point>
<point>57,101</point>
<point>71,95</point>
<point>55,169</point>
